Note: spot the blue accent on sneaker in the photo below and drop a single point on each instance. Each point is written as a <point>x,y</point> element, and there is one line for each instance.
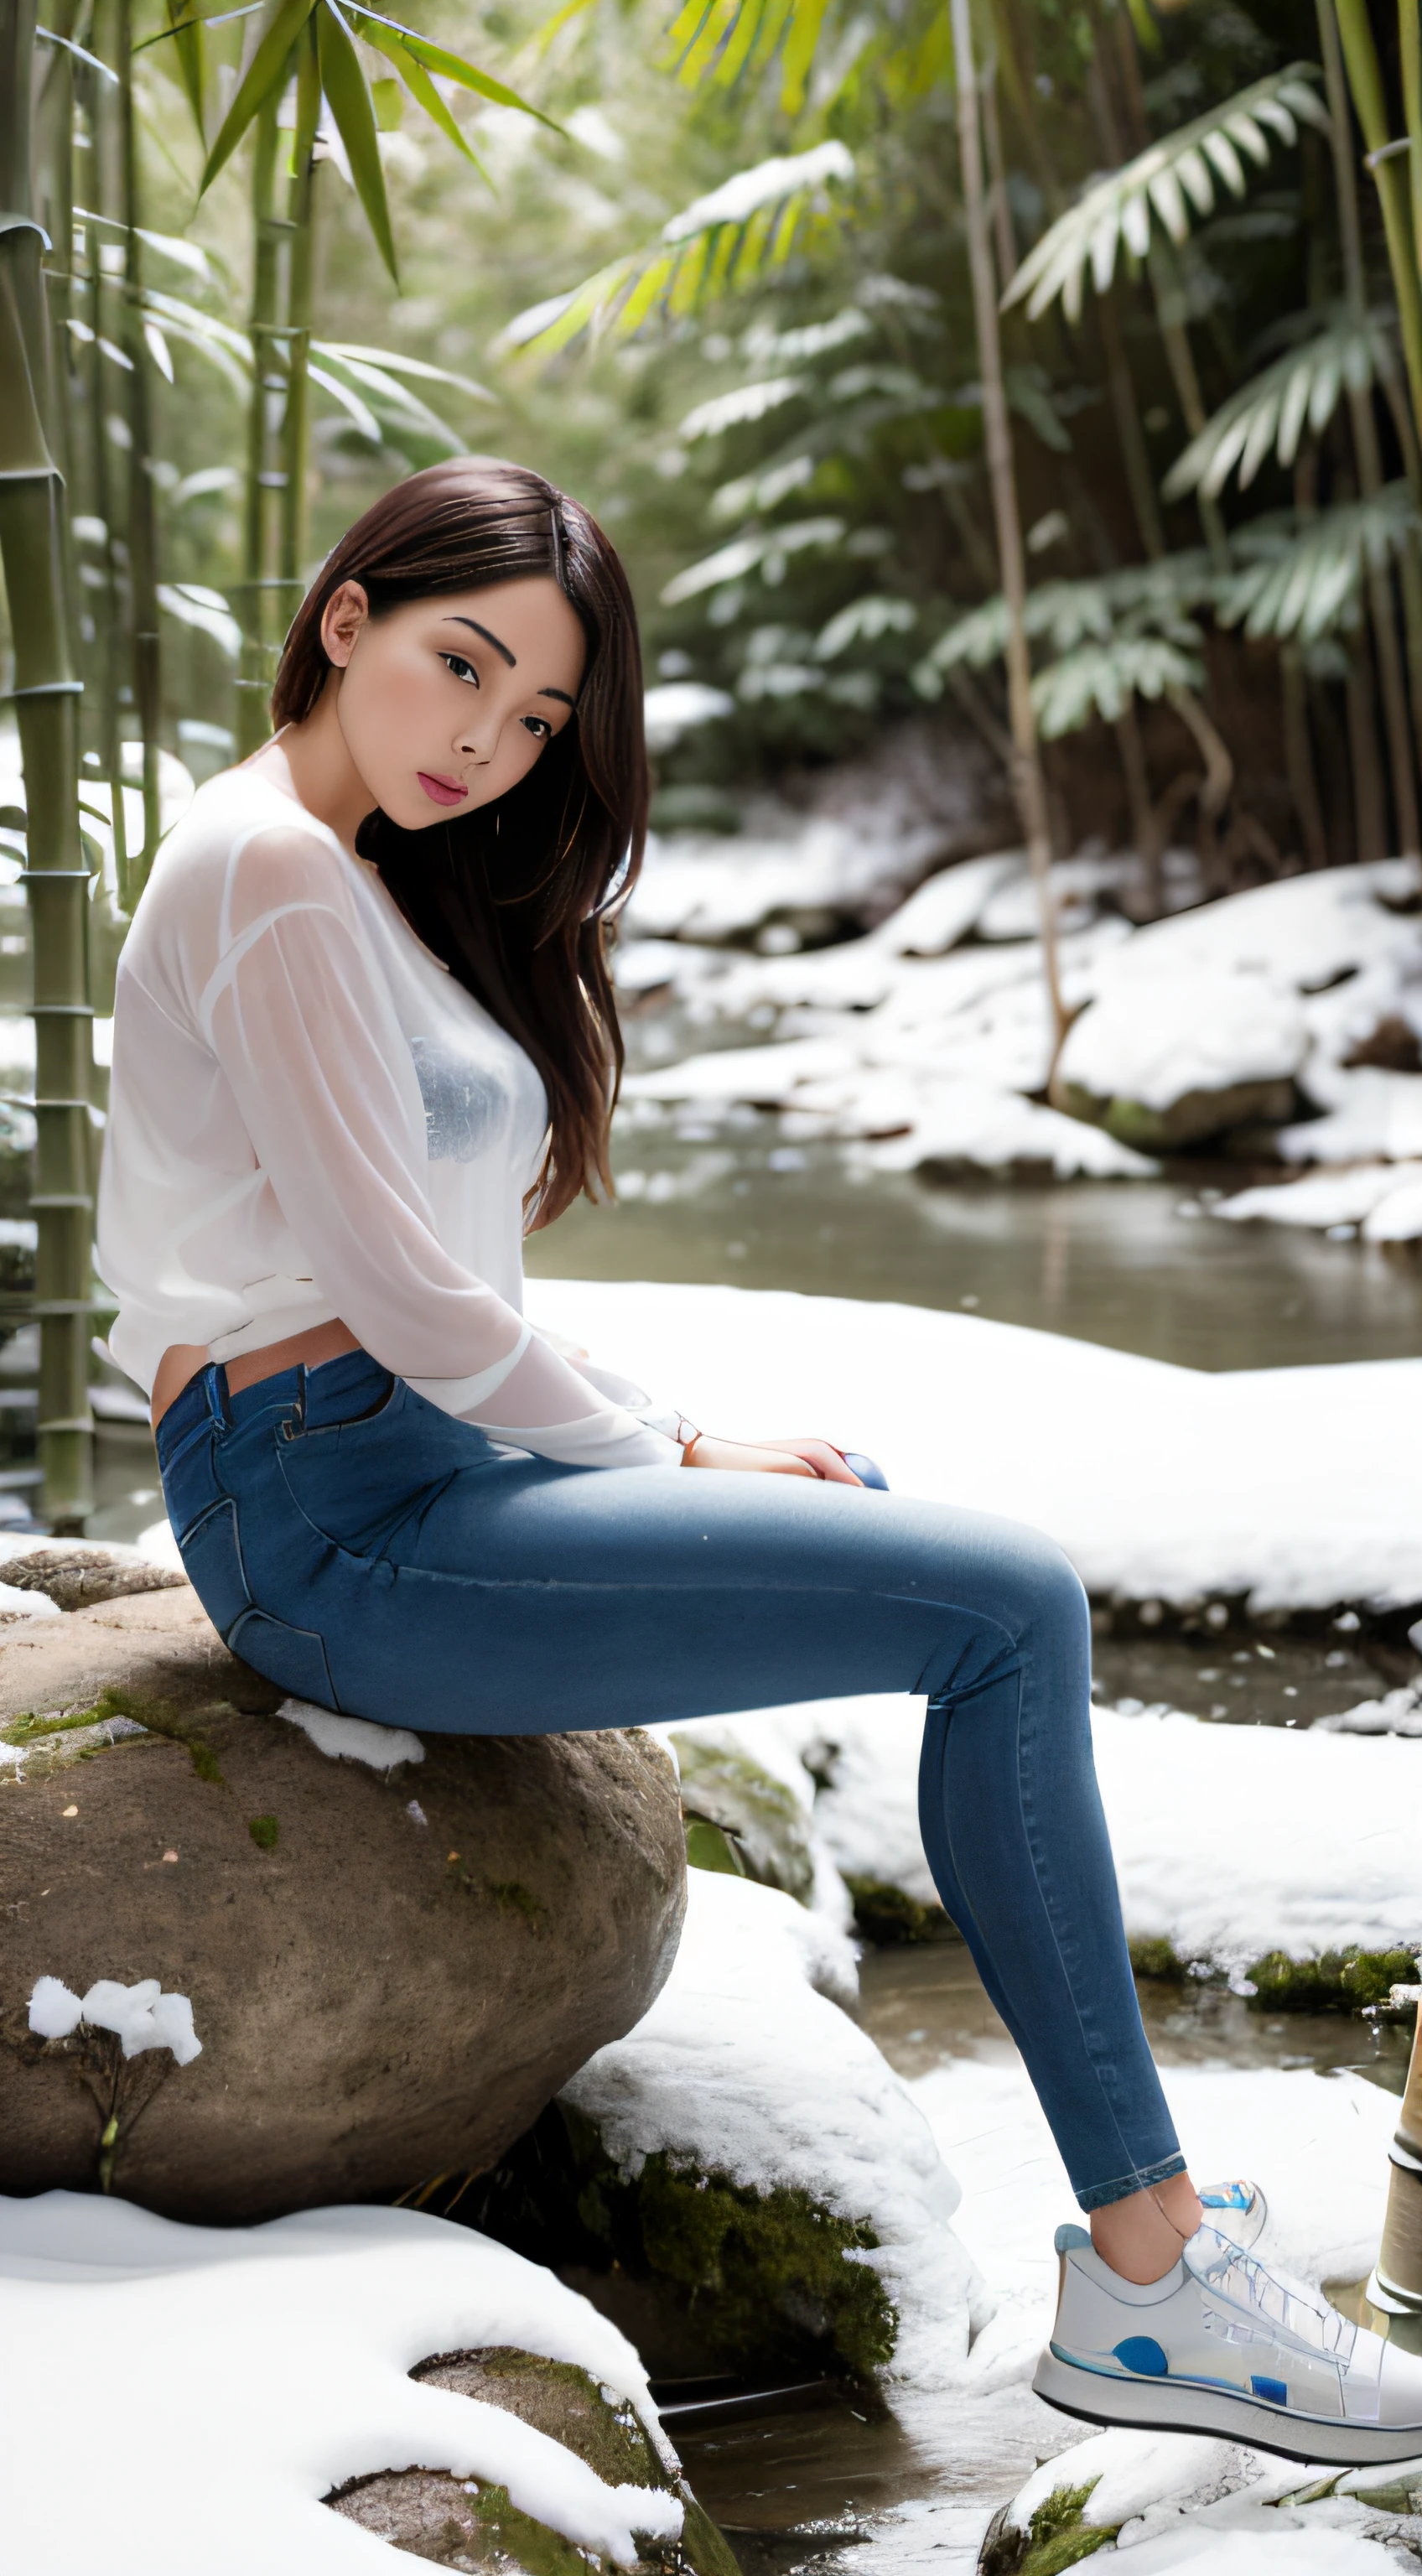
<point>1232,2196</point>
<point>1143,2355</point>
<point>1273,2391</point>
<point>1069,2238</point>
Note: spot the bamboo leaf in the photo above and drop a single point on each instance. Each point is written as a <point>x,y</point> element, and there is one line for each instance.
<point>449,66</point>
<point>349,100</point>
<point>266,72</point>
<point>422,89</point>
<point>192,68</point>
<point>1302,578</point>
<point>1188,165</point>
<point>397,364</point>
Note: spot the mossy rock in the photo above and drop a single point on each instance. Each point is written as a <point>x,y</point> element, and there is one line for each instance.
<point>1056,2537</point>
<point>1188,1121</point>
<point>460,2523</point>
<point>1341,1981</point>
<point>391,1971</point>
<point>758,2280</point>
<point>758,1828</point>
<point>888,1916</point>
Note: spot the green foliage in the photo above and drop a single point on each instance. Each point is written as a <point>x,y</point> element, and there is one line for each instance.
<point>1335,1981</point>
<point>265,1832</point>
<point>1302,577</point>
<point>1100,679</point>
<point>1173,182</point>
<point>1299,392</point>
<point>722,244</point>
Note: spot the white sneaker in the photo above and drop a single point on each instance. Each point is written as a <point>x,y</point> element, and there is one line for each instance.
<point>1223,2345</point>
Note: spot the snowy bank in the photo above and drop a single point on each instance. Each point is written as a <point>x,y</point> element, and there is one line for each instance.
<point>745,2067</point>
<point>1333,1856</point>
<point>247,2371</point>
<point>1290,1487</point>
<point>921,1041</point>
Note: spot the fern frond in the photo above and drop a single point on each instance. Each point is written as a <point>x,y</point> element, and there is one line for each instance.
<point>1300,390</point>
<point>1303,578</point>
<point>1140,601</point>
<point>721,244</point>
<point>1169,184</point>
<point>1101,679</point>
<point>760,549</point>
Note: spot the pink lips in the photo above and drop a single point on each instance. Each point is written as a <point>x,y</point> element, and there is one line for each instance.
<point>441,791</point>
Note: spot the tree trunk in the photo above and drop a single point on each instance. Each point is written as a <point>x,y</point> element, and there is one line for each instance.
<point>1028,781</point>
<point>46,697</point>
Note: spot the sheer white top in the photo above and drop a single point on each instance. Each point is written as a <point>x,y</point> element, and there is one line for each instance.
<point>310,1118</point>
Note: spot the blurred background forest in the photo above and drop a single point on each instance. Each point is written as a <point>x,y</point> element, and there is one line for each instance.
<point>1006,411</point>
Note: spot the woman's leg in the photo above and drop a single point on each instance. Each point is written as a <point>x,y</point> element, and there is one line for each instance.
<point>366,1550</point>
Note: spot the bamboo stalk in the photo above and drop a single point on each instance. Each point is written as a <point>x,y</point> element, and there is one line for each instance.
<point>46,698</point>
<point>1028,781</point>
<point>1348,20</point>
<point>296,425</point>
<point>254,678</point>
<point>111,656</point>
<point>1368,453</point>
<point>142,510</point>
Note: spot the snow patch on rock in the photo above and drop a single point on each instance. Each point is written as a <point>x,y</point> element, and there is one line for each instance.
<point>745,2067</point>
<point>307,2328</point>
<point>352,1739</point>
<point>141,2015</point>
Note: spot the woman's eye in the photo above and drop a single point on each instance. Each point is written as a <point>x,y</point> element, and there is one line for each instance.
<point>462,670</point>
<point>539,727</point>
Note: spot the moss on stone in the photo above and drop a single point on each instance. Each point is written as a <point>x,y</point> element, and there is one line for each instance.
<point>467,2525</point>
<point>888,1916</point>
<point>1055,2538</point>
<point>710,1847</point>
<point>762,1822</point>
<point>1154,1956</point>
<point>761,2280</point>
<point>265,1832</point>
<point>1342,1981</point>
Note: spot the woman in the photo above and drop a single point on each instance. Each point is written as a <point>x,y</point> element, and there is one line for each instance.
<point>364,1035</point>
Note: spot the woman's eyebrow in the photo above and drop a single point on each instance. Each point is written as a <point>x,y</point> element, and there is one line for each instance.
<point>499,647</point>
<point>561,695</point>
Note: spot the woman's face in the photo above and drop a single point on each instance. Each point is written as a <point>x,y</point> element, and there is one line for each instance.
<point>446,703</point>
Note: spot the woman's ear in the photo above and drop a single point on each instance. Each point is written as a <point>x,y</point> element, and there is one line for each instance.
<point>344,615</point>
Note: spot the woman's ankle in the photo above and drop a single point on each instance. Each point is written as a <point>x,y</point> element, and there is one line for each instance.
<point>1140,2237</point>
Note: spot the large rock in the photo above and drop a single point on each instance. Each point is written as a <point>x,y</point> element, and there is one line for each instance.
<point>390,1969</point>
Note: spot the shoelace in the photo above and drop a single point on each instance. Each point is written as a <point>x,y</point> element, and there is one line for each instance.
<point>1288,2313</point>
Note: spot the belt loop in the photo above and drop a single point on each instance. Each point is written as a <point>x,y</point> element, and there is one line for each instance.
<point>214,1382</point>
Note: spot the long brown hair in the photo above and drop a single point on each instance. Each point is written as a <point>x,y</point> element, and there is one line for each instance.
<point>513,897</point>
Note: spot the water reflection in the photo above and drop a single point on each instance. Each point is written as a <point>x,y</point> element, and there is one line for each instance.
<point>1137,1266</point>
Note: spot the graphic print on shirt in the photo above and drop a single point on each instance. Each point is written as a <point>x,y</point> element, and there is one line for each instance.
<point>464,1101</point>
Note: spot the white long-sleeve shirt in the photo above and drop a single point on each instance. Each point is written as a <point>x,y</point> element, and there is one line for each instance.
<point>310,1118</point>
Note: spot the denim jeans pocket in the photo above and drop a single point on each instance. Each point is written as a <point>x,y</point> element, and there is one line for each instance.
<point>212,1560</point>
<point>293,1658</point>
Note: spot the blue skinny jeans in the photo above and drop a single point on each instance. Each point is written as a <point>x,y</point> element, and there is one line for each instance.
<point>366,1551</point>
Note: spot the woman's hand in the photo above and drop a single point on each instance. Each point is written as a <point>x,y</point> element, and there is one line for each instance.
<point>771,1458</point>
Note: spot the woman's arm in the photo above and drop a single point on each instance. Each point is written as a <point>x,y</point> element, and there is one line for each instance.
<point>302,1025</point>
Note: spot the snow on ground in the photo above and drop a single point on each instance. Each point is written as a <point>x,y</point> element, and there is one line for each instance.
<point>1289,1486</point>
<point>915,1046</point>
<point>244,2372</point>
<point>1332,1849</point>
<point>745,2066</point>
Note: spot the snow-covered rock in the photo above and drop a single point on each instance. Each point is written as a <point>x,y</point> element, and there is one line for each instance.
<point>247,2372</point>
<point>1289,1486</point>
<point>748,2067</point>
